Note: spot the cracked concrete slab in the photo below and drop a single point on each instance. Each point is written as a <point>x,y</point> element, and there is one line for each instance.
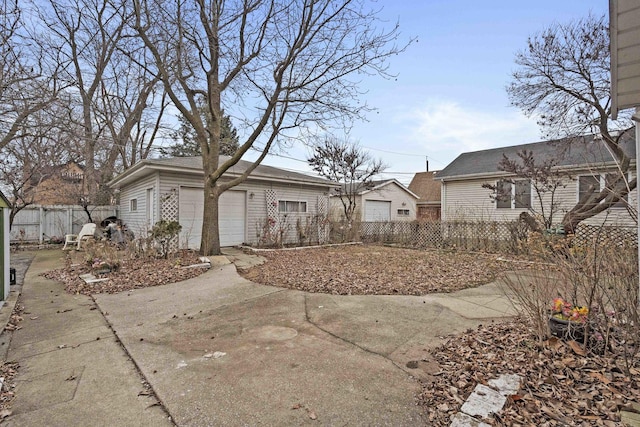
<point>72,371</point>
<point>283,355</point>
<point>279,368</point>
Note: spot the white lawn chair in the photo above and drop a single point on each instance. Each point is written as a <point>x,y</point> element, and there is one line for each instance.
<point>87,232</point>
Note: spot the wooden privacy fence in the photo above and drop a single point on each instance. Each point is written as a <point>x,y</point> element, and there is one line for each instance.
<point>43,223</point>
<point>490,236</point>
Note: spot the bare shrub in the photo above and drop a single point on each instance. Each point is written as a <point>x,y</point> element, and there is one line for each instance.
<point>531,292</point>
<point>601,274</point>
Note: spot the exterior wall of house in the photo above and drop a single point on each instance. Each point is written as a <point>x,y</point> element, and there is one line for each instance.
<point>136,220</point>
<point>337,209</point>
<point>258,193</point>
<point>398,197</point>
<point>467,200</point>
<point>428,212</point>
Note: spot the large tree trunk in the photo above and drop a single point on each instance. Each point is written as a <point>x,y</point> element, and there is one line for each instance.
<point>210,242</point>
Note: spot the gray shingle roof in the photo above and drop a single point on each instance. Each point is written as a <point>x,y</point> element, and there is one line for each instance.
<point>569,152</point>
<point>194,165</point>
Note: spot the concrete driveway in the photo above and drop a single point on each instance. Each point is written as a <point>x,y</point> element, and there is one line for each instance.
<point>220,350</point>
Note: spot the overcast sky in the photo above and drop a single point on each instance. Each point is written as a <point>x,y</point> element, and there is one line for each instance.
<point>449,96</point>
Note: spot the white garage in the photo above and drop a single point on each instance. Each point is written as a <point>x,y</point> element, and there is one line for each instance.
<point>266,208</point>
<point>231,217</point>
<point>377,210</point>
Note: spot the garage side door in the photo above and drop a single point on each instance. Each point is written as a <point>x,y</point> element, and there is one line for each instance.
<point>377,210</point>
<point>231,217</point>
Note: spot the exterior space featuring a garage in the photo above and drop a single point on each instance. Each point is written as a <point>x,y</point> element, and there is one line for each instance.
<point>382,201</point>
<point>271,200</point>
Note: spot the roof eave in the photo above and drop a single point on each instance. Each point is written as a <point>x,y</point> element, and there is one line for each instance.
<point>395,181</point>
<point>138,170</point>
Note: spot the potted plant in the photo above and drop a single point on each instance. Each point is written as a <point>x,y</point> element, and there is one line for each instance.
<point>568,320</point>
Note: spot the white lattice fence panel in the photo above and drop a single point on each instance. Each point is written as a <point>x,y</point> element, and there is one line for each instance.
<point>586,235</point>
<point>323,219</point>
<point>169,212</point>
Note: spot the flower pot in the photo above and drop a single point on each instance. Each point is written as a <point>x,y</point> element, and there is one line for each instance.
<point>566,329</point>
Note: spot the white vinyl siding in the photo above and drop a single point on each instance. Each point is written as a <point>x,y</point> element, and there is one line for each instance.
<point>467,200</point>
<point>136,220</point>
<point>256,203</point>
<point>399,198</point>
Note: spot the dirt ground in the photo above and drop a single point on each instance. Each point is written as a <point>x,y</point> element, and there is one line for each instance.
<point>375,270</point>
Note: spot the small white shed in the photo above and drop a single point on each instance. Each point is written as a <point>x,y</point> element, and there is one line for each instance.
<point>4,248</point>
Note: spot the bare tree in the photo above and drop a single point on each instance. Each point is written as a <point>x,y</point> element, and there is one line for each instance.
<point>28,160</point>
<point>278,65</point>
<point>345,162</point>
<point>563,80</point>
<point>105,64</point>
<point>28,82</point>
<point>542,175</point>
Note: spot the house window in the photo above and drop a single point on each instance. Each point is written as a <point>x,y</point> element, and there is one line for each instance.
<point>133,205</point>
<point>522,196</point>
<point>503,195</point>
<point>516,194</point>
<point>403,212</point>
<point>588,185</point>
<point>287,206</point>
<point>609,182</point>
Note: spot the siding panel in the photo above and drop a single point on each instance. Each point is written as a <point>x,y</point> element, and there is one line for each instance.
<point>469,201</point>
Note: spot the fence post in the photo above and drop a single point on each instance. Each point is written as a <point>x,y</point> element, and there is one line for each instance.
<point>70,219</point>
<point>40,224</point>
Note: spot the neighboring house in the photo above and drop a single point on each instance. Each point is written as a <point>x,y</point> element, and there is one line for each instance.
<point>386,200</point>
<point>4,248</point>
<point>57,185</point>
<point>271,200</point>
<point>427,189</point>
<point>585,159</point>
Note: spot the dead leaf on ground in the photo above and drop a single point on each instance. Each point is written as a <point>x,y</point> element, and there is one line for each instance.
<point>577,348</point>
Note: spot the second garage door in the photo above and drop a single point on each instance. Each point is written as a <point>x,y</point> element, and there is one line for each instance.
<point>231,217</point>
<point>377,210</point>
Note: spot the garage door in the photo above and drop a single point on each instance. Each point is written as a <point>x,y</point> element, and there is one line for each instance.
<point>231,217</point>
<point>377,210</point>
